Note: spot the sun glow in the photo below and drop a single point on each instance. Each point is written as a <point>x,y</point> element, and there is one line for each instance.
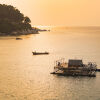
<point>59,12</point>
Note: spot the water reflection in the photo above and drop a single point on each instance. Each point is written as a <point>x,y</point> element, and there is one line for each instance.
<point>27,77</point>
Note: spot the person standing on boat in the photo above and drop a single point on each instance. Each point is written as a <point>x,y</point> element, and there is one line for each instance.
<point>59,64</point>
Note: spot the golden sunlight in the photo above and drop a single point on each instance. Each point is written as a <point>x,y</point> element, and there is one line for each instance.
<point>60,12</point>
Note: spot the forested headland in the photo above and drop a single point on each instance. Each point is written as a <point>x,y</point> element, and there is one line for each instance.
<point>13,22</point>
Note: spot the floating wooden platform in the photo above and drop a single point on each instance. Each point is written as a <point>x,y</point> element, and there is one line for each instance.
<point>68,74</point>
<point>75,68</point>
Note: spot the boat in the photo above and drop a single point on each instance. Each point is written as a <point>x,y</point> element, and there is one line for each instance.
<point>75,67</point>
<point>18,38</point>
<point>40,53</point>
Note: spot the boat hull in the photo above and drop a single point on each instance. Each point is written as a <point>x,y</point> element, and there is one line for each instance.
<point>39,53</point>
<point>74,74</point>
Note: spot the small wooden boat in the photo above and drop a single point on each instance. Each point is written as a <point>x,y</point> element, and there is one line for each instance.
<point>40,53</point>
<point>18,38</point>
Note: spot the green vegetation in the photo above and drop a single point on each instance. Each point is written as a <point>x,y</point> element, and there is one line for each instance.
<point>12,21</point>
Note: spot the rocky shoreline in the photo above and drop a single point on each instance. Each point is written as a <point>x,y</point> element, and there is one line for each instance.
<point>23,32</point>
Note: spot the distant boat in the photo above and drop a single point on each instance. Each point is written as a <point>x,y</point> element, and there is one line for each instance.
<point>40,53</point>
<point>18,38</point>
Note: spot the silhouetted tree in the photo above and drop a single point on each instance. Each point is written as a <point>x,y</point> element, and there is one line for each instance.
<point>12,20</point>
<point>27,20</point>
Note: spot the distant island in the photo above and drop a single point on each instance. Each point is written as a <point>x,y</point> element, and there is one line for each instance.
<point>41,30</point>
<point>13,22</point>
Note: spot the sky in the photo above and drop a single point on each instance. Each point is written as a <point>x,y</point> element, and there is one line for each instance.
<point>59,12</point>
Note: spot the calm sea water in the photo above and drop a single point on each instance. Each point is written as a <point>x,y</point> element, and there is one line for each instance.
<point>27,77</point>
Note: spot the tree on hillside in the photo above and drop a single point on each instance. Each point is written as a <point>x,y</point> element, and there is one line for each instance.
<point>27,20</point>
<point>11,19</point>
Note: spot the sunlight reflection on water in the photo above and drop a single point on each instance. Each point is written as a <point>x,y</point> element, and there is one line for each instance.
<point>27,77</point>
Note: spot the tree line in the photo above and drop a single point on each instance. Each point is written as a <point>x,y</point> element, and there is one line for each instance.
<point>11,20</point>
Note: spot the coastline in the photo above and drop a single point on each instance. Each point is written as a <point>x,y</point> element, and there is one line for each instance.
<point>23,32</point>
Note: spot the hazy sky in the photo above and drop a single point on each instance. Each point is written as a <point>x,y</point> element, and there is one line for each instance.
<point>59,12</point>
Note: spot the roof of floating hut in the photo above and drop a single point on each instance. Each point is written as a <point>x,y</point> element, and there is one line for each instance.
<point>75,63</point>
